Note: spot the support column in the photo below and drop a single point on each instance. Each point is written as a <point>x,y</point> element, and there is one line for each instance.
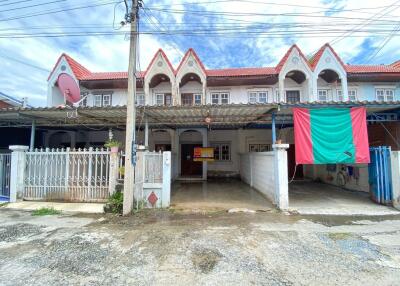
<point>281,176</point>
<point>281,90</point>
<point>273,128</point>
<point>17,175</point>
<point>204,96</point>
<point>166,188</point>
<point>314,88</point>
<point>146,134</point>
<point>113,177</point>
<point>33,131</point>
<point>345,90</point>
<point>205,144</point>
<point>395,168</point>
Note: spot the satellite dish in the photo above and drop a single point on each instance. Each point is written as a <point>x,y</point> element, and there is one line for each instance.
<point>69,88</point>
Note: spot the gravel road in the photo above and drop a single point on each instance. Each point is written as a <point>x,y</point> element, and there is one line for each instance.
<point>166,248</point>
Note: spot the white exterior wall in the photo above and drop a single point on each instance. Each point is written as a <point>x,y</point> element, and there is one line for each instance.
<point>319,172</point>
<point>257,170</point>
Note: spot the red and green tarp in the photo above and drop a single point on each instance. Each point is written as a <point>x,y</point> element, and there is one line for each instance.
<point>331,135</point>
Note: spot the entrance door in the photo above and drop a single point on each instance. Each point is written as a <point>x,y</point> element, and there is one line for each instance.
<point>188,166</point>
<point>292,164</point>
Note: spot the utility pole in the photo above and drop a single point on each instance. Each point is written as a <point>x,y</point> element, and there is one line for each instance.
<point>130,141</point>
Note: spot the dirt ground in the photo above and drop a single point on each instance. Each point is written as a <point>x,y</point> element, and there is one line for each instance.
<point>167,248</point>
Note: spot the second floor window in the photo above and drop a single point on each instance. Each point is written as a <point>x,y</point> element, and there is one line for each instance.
<point>323,95</point>
<point>140,101</point>
<point>101,100</point>
<point>384,94</point>
<point>220,98</point>
<point>83,101</point>
<point>163,99</point>
<point>258,96</point>
<point>292,96</point>
<point>351,92</point>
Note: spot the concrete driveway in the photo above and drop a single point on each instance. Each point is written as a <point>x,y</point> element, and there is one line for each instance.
<point>166,248</point>
<point>318,198</point>
<point>217,194</point>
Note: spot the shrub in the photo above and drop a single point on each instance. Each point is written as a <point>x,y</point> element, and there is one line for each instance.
<point>115,203</point>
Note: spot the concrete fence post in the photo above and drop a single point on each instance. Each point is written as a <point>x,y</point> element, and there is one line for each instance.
<point>166,180</point>
<point>395,167</point>
<point>251,169</point>
<point>114,165</point>
<point>281,176</point>
<point>135,194</point>
<point>17,175</point>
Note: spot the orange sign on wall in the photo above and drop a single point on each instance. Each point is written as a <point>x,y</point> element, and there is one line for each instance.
<point>205,154</point>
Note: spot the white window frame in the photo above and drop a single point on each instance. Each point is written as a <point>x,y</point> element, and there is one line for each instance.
<point>140,99</point>
<point>197,98</point>
<point>97,100</point>
<point>222,97</point>
<point>352,93</point>
<point>219,97</point>
<point>339,95</point>
<point>159,96</point>
<point>83,100</point>
<point>218,155</point>
<point>252,97</point>
<point>256,96</point>
<point>326,95</point>
<point>385,94</point>
<point>107,99</point>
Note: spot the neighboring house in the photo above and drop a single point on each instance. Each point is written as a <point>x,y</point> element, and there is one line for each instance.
<point>295,79</point>
<point>9,101</point>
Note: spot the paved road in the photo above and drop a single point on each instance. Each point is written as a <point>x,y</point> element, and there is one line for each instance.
<point>163,248</point>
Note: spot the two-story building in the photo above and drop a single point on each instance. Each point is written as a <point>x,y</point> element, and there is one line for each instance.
<point>324,78</point>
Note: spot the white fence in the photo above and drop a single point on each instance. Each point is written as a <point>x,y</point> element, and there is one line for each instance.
<point>257,170</point>
<point>267,173</point>
<point>5,169</point>
<point>68,175</point>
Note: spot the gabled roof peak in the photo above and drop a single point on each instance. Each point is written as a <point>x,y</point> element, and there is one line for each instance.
<point>188,52</point>
<point>317,56</point>
<point>282,62</point>
<point>159,51</point>
<point>78,70</point>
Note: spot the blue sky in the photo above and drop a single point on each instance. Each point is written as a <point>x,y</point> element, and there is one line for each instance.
<point>231,34</point>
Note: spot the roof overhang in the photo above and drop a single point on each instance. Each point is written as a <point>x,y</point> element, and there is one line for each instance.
<point>230,116</point>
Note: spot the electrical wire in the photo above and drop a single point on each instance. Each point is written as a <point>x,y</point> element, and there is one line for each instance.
<point>31,6</point>
<point>54,11</point>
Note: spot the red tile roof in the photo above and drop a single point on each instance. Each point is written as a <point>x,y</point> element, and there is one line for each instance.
<point>82,73</point>
<point>232,72</point>
<point>372,69</point>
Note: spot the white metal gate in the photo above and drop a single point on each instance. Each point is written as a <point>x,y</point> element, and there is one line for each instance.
<point>5,170</point>
<point>68,175</point>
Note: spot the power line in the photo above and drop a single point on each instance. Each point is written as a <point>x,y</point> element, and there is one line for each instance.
<point>31,6</point>
<point>53,11</point>
<point>25,63</point>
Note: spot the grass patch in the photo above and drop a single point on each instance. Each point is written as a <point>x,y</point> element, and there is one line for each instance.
<point>46,211</point>
<point>3,204</point>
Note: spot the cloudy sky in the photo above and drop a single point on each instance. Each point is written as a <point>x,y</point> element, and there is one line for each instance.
<point>33,33</point>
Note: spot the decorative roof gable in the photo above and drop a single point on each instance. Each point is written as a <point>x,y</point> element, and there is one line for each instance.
<point>159,53</point>
<point>78,70</point>
<point>317,56</point>
<point>283,61</point>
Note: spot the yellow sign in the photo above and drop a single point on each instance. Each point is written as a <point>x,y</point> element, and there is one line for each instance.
<point>205,154</point>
